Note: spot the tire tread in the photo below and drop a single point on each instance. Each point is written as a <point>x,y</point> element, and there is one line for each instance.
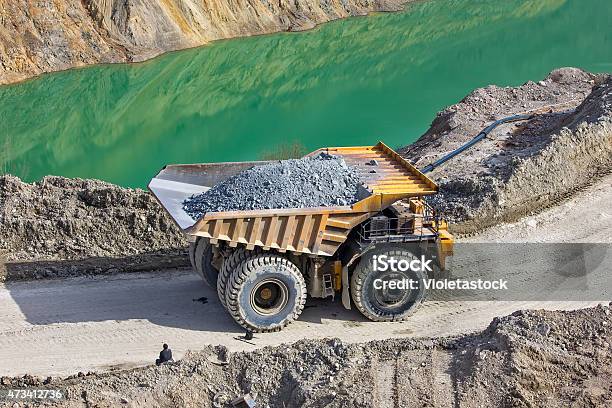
<point>363,305</point>
<point>229,265</point>
<point>240,275</point>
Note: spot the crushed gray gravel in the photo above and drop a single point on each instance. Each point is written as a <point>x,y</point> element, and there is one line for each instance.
<point>318,181</point>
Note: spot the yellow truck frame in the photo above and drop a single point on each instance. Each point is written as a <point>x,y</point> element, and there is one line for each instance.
<point>319,242</point>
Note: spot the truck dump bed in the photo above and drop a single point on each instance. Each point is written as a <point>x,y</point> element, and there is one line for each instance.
<point>319,230</point>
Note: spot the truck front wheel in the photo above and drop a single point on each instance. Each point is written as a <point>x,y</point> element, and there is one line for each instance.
<point>265,293</point>
<point>384,294</point>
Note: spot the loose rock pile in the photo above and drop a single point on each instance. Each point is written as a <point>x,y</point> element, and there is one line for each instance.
<point>320,181</point>
<point>530,358</point>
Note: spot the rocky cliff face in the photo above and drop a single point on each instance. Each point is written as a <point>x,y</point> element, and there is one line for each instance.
<point>51,35</point>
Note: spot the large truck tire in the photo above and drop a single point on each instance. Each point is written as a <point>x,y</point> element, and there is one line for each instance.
<point>380,304</point>
<point>229,265</point>
<point>265,293</point>
<point>202,261</point>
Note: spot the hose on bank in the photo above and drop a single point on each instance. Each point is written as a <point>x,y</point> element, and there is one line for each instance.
<point>483,133</point>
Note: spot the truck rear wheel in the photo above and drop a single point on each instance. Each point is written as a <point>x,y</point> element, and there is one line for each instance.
<point>375,299</point>
<point>229,265</point>
<point>202,261</point>
<point>265,293</point>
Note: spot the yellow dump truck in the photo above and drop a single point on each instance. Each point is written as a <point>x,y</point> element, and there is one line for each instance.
<point>264,263</point>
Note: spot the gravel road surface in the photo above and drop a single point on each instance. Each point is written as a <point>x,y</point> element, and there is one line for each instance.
<point>66,326</point>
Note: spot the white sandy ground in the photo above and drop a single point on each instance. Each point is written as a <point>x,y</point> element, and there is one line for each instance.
<point>61,327</point>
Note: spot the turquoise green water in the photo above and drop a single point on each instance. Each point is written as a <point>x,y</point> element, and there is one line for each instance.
<point>350,82</point>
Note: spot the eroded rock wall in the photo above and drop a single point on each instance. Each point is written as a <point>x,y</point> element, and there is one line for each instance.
<point>51,35</point>
<point>64,227</point>
<point>524,167</point>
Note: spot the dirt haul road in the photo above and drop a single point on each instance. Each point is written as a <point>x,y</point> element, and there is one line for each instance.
<point>64,326</point>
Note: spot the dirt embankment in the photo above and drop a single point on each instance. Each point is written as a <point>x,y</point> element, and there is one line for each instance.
<point>530,358</point>
<point>523,167</point>
<point>51,35</point>
<point>63,227</point>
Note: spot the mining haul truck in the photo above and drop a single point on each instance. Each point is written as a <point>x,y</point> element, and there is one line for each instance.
<point>264,263</point>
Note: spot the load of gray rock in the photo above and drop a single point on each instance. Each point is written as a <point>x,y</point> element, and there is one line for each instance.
<point>319,181</point>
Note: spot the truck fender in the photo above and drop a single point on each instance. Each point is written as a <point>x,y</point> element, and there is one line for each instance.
<point>346,294</point>
<point>354,254</point>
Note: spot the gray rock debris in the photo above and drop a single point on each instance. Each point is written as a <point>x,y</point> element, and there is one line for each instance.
<point>320,181</point>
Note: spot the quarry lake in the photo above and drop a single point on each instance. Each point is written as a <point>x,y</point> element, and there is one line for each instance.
<point>350,82</point>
